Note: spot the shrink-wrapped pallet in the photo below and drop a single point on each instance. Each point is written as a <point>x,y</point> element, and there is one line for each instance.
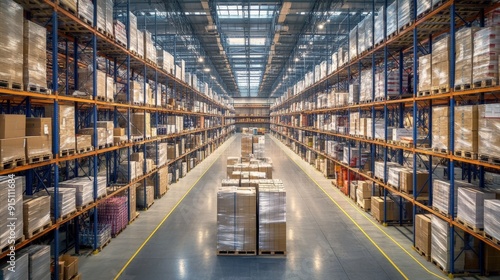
<point>425,73</point>
<point>120,31</point>
<point>440,128</point>
<point>441,194</point>
<point>35,57</point>
<point>393,175</point>
<point>21,271</point>
<point>133,33</point>
<point>406,181</point>
<point>405,9</point>
<point>110,88</point>
<point>441,245</point>
<point>368,31</point>
<point>392,18</point>
<point>141,124</point>
<point>400,132</point>
<point>464,47</point>
<point>86,11</point>
<point>354,92</point>
<point>101,15</point>
<point>84,188</point>
<point>366,85</point>
<point>140,43</point>
<point>470,206</point>
<point>379,168</point>
<point>379,129</point>
<point>36,212</point>
<point>379,26</point>
<point>103,235</point>
<point>109,127</point>
<point>466,128</point>
<point>162,177</point>
<point>86,83</point>
<point>361,36</point>
<point>11,47</point>
<point>492,218</point>
<point>486,52</point>
<point>423,6</point>
<point>108,14</point>
<point>441,63</point>
<point>272,217</point>
<point>113,211</point>
<point>353,43</point>
<point>488,130</point>
<point>145,196</point>
<point>67,137</point>
<point>149,47</point>
<point>39,261</point>
<point>11,187</point>
<point>101,135</point>
<point>66,201</point>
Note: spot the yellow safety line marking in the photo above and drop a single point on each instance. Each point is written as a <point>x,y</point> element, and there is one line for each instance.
<point>166,217</point>
<point>360,228</point>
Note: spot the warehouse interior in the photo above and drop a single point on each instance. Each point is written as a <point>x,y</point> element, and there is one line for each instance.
<point>222,139</point>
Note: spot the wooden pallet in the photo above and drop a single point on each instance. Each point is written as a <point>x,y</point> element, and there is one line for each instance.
<point>422,253</point>
<point>120,43</point>
<point>272,253</point>
<point>489,159</point>
<point>401,29</point>
<point>85,20</point>
<point>465,154</point>
<point>32,233</point>
<point>102,246</point>
<point>39,158</point>
<point>81,207</point>
<point>149,205</point>
<point>7,247</point>
<point>37,88</point>
<point>83,150</point>
<point>361,206</point>
<point>118,233</point>
<point>440,211</point>
<point>236,253</point>
<point>463,87</point>
<point>485,83</point>
<point>10,85</point>
<point>470,227</point>
<point>12,163</point>
<point>88,97</point>
<point>443,269</point>
<point>65,216</point>
<point>438,150</point>
<point>423,93</point>
<point>107,145</point>
<point>134,218</point>
<point>67,152</point>
<point>440,89</point>
<point>67,7</point>
<point>491,238</point>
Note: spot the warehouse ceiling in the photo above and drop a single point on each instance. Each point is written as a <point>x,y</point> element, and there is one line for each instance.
<point>250,48</point>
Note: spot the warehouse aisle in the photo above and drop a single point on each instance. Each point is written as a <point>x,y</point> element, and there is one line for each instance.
<point>322,241</point>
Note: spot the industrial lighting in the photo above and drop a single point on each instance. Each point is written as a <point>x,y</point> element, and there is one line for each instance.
<point>321,26</point>
<point>200,59</point>
<point>296,59</point>
<point>310,42</point>
<point>289,69</point>
<point>206,69</point>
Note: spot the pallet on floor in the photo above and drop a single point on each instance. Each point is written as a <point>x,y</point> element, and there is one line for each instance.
<point>39,158</point>
<point>489,159</point>
<point>32,233</point>
<point>10,85</point>
<point>236,253</point>
<point>422,253</point>
<point>443,269</point>
<point>485,83</point>
<point>37,88</point>
<point>465,154</point>
<point>271,253</point>
<point>10,164</point>
<point>134,218</point>
<point>470,227</point>
<point>147,207</point>
<point>67,152</point>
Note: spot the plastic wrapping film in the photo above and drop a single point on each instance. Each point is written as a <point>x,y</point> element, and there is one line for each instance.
<point>379,26</point>
<point>361,36</point>
<point>246,145</point>
<point>366,85</point>
<point>149,47</point>
<point>21,271</point>
<point>36,213</point>
<point>379,168</point>
<point>236,219</point>
<point>86,10</point>
<point>368,31</point>
<point>353,43</point>
<point>492,182</point>
<point>84,188</point>
<point>399,132</point>
<point>35,55</point>
<point>39,261</point>
<point>114,212</point>
<point>108,14</point>
<point>354,123</point>
<point>183,169</point>
<point>464,47</point>
<point>5,195</point>
<point>489,129</point>
<point>441,194</point>
<point>440,127</point>
<point>354,92</point>
<point>394,175</point>
<point>423,6</point>
<point>140,43</point>
<point>86,82</point>
<point>101,15</point>
<point>486,52</point>
<point>110,88</point>
<point>133,32</point>
<point>492,18</point>
<point>492,218</point>
<point>141,124</point>
<point>392,83</point>
<point>470,206</point>
<point>162,152</point>
<point>103,235</point>
<point>379,129</point>
<point>11,47</point>
<point>425,72</point>
<point>66,201</point>
<point>441,244</point>
<point>404,13</point>
<point>83,141</point>
<point>466,128</point>
<point>108,126</point>
<point>120,31</point>
<point>392,18</point>
<point>272,217</point>
<point>145,201</point>
<point>101,134</point>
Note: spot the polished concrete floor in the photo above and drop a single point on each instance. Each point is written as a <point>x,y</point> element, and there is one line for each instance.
<point>328,237</point>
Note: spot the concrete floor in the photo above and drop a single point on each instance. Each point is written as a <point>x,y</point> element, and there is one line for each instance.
<point>328,237</point>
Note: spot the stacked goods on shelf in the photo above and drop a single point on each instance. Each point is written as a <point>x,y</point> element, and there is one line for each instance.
<point>361,36</point>
<point>441,244</point>
<point>405,11</point>
<point>423,6</point>
<point>11,47</point>
<point>441,195</point>
<point>38,138</point>
<point>357,158</point>
<point>69,265</point>
<point>353,43</point>
<point>103,235</point>
<point>379,26</point>
<point>423,230</point>
<point>132,206</point>
<point>175,124</point>
<point>470,207</point>
<point>393,175</point>
<point>84,189</point>
<point>236,220</point>
<point>354,123</point>
<point>133,32</point>
<point>141,125</point>
<point>39,261</point>
<point>354,92</point>
<point>110,89</point>
<point>393,207</point>
<point>485,60</point>
<point>246,145</point>
<point>101,135</point>
<point>35,57</point>
<point>36,214</point>
<point>258,146</point>
<point>272,218</point>
<point>183,169</point>
<point>67,137</point>
<point>162,181</point>
<point>101,16</point>
<point>366,85</point>
<point>21,270</point>
<point>466,130</point>
<point>140,43</point>
<point>12,144</point>
<point>488,131</point>
<point>401,133</point>
<point>492,219</point>
<point>165,61</point>
<point>10,186</point>
<point>464,46</point>
<point>440,65</point>
<point>379,129</point>
<point>368,31</point>
<point>145,196</point>
<point>425,73</point>
<point>364,194</point>
<point>392,19</point>
<point>440,128</point>
<point>119,30</point>
<point>86,11</point>
<point>66,198</point>
<point>108,127</point>
<point>113,211</point>
<point>379,168</point>
<point>152,150</point>
<point>406,182</point>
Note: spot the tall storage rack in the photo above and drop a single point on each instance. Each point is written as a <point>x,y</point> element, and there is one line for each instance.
<point>73,42</point>
<point>255,115</point>
<point>403,48</point>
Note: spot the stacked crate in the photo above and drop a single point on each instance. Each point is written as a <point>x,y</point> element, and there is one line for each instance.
<point>424,73</point>
<point>466,131</point>
<point>119,30</point>
<point>485,61</point>
<point>470,207</point>
<point>86,11</point>
<point>423,233</point>
<point>66,199</point>
<point>11,47</point>
<point>35,57</point>
<point>405,11</point>
<point>67,137</point>
<point>364,194</point>
<point>113,211</point>
<point>379,26</point>
<point>440,128</point>
<point>440,65</point>
<point>392,18</point>
<point>103,235</point>
<point>141,125</point>
<point>36,214</point>
<point>366,86</point>
<point>464,47</point>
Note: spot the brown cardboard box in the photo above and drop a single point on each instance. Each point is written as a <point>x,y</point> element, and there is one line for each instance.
<point>138,121</point>
<point>377,209</point>
<point>67,137</point>
<point>70,266</point>
<point>423,229</point>
<point>466,127</point>
<point>12,126</point>
<point>137,157</point>
<point>118,131</point>
<point>406,181</point>
<point>101,134</point>
<point>83,141</point>
<point>38,146</point>
<point>12,149</point>
<point>39,127</point>
<point>365,189</point>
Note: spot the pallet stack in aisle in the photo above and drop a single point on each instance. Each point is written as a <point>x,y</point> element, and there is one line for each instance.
<point>272,219</point>
<point>114,212</point>
<point>145,196</point>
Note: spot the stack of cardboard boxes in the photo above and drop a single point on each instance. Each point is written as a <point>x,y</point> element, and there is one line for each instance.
<point>36,214</point>
<point>440,64</point>
<point>145,196</point>
<point>67,137</point>
<point>272,218</point>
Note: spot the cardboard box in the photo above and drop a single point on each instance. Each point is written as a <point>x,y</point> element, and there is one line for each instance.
<point>67,137</point>
<point>12,149</point>
<point>39,127</point>
<point>118,131</point>
<point>70,266</point>
<point>83,141</point>
<point>38,146</point>
<point>137,157</point>
<point>377,209</point>
<point>423,228</point>
<point>12,126</point>
<point>406,181</point>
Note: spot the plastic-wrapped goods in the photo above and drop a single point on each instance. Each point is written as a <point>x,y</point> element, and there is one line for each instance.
<point>379,26</point>
<point>353,43</point>
<point>35,56</point>
<point>140,43</point>
<point>354,92</point>
<point>183,169</point>
<point>101,135</point>
<point>120,31</point>
<point>246,145</point>
<point>66,201</point>
<point>272,217</point>
<point>101,15</point>
<point>39,261</point>
<point>162,180</point>
<point>11,47</point>
<point>399,133</point>
<point>141,124</point>
<point>259,144</point>
<point>86,10</point>
<point>36,214</point>
<point>145,200</point>
<point>423,230</point>
<point>492,218</point>
<point>236,219</point>
<point>464,47</point>
<point>354,123</point>
<point>335,62</point>
<point>361,36</point>
<point>406,182</point>
<point>133,32</point>
<point>84,188</point>
<point>67,137</point>
<point>405,9</point>
<point>441,245</point>
<point>379,168</point>
<point>366,85</point>
<point>108,13</point>
<point>441,194</point>
<point>11,186</point>
<point>392,18</point>
<point>470,206</point>
<point>149,47</point>
<point>103,235</point>
<point>488,130</point>
<point>486,52</point>
<point>354,160</point>
<point>368,31</point>
<point>425,73</point>
<point>492,18</point>
<point>394,175</point>
<point>379,129</point>
<point>441,63</point>
<point>110,89</point>
<point>466,128</point>
<point>113,211</point>
<point>86,82</point>
<point>21,271</point>
<point>440,127</point>
<point>108,128</point>
<point>423,6</point>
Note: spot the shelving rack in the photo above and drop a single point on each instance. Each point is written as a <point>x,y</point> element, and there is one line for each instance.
<point>402,48</point>
<point>72,42</point>
<point>253,115</point>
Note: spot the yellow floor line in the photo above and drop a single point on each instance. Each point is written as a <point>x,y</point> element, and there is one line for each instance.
<point>360,228</point>
<point>166,217</point>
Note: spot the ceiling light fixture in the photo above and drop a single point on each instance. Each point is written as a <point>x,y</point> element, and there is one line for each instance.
<point>321,26</point>
<point>200,59</point>
<point>206,69</point>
